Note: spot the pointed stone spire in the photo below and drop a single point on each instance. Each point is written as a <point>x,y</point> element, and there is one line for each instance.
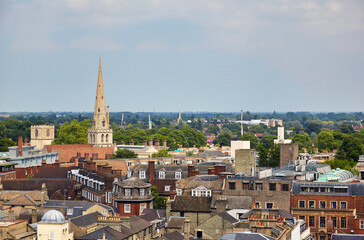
<point>100,134</point>
<point>179,120</point>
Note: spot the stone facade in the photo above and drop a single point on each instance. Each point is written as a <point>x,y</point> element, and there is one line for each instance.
<point>289,152</point>
<point>41,135</point>
<point>245,161</point>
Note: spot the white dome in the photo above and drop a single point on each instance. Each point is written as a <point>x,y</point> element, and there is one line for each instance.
<point>53,216</point>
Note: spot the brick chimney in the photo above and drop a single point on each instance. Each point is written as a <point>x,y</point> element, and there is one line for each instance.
<point>34,215</point>
<point>219,168</point>
<point>195,172</point>
<point>151,170</point>
<point>78,155</point>
<point>164,143</point>
<point>87,156</point>
<point>150,142</point>
<point>144,143</point>
<point>95,156</point>
<point>156,143</point>
<point>186,229</point>
<point>211,171</point>
<point>20,146</point>
<point>190,169</point>
<point>131,142</point>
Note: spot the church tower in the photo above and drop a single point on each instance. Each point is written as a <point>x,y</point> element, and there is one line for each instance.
<point>100,135</point>
<point>179,119</point>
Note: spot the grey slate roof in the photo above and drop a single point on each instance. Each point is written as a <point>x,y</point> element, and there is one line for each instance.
<point>153,214</point>
<point>86,220</point>
<point>354,189</point>
<point>226,216</point>
<point>339,236</point>
<point>174,236</point>
<point>245,236</point>
<point>191,204</point>
<point>235,202</point>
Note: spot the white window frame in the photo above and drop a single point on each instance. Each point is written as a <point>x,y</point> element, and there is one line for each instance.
<point>167,188</point>
<point>178,175</point>
<point>69,211</point>
<point>51,236</point>
<point>142,207</point>
<point>162,174</point>
<point>127,208</point>
<point>127,192</point>
<point>142,192</point>
<point>142,174</point>
<point>179,192</point>
<point>109,197</point>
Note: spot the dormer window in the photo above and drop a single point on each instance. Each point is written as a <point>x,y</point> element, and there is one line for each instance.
<point>142,192</point>
<point>177,175</point>
<point>142,174</point>
<point>162,175</point>
<point>127,192</point>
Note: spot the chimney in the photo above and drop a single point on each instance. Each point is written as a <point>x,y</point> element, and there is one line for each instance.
<point>122,143</point>
<point>131,142</point>
<point>220,204</point>
<point>168,210</point>
<point>20,146</point>
<point>195,172</point>
<point>11,214</point>
<point>211,171</point>
<point>34,215</point>
<point>150,142</point>
<point>144,143</point>
<point>78,155</point>
<point>26,142</point>
<point>186,229</point>
<point>87,156</point>
<point>151,170</point>
<point>44,193</point>
<point>190,169</point>
<point>156,143</point>
<point>95,156</point>
<point>100,170</point>
<point>219,168</point>
<point>164,143</point>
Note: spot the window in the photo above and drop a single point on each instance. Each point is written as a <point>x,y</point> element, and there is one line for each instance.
<point>361,224</point>
<point>334,221</point>
<point>103,123</point>
<point>127,208</point>
<point>231,185</point>
<point>322,204</point>
<point>311,204</point>
<point>259,186</point>
<point>127,192</point>
<point>142,207</point>
<point>322,237</point>
<point>269,205</point>
<point>179,192</point>
<point>257,204</point>
<point>48,133</point>
<point>69,211</point>
<point>167,188</point>
<point>301,204</point>
<point>343,222</point>
<point>142,174</point>
<point>311,221</point>
<point>129,164</point>
<point>102,137</point>
<point>104,212</point>
<point>343,205</point>
<point>285,187</point>
<point>162,174</point>
<point>301,218</point>
<point>272,186</point>
<point>322,221</point>
<point>51,236</point>
<point>142,192</point>
<point>178,175</point>
<point>246,186</point>
<point>333,205</point>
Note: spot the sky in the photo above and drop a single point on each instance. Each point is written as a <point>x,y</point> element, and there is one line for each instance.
<point>192,55</point>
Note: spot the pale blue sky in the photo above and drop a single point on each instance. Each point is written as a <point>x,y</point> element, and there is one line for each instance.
<point>193,55</point>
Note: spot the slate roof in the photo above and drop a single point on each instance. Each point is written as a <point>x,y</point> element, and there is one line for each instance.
<point>235,202</point>
<point>10,194</point>
<point>161,183</point>
<point>226,216</point>
<point>175,222</point>
<point>133,183</point>
<point>22,200</point>
<point>340,236</point>
<point>86,220</point>
<point>191,204</point>
<point>174,236</point>
<point>153,214</point>
<point>245,236</point>
<point>354,189</point>
<point>52,172</point>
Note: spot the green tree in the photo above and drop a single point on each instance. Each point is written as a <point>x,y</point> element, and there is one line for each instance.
<point>263,156</point>
<point>254,141</point>
<point>274,155</point>
<point>162,153</point>
<point>350,149</point>
<point>124,153</point>
<point>223,139</point>
<point>159,202</point>
<point>268,141</point>
<point>346,128</point>
<point>213,129</point>
<point>2,129</point>
<point>343,164</point>
<point>73,133</point>
<point>5,143</point>
<point>324,140</point>
<point>303,140</point>
<point>189,153</point>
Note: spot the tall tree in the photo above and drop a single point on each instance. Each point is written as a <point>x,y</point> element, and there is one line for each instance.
<point>73,133</point>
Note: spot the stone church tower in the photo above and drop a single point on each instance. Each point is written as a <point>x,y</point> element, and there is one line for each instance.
<point>100,135</point>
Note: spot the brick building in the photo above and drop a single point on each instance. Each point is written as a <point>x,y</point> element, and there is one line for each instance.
<point>329,207</point>
<point>131,196</point>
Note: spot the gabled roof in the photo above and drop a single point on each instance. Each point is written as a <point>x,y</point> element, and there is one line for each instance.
<point>174,236</point>
<point>109,233</point>
<point>191,204</point>
<point>10,194</point>
<point>153,214</point>
<point>22,200</point>
<point>175,222</point>
<point>86,220</point>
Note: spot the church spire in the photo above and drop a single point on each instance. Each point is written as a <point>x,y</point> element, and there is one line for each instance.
<point>100,115</point>
<point>179,120</point>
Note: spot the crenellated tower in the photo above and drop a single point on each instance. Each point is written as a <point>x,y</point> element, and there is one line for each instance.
<point>100,135</point>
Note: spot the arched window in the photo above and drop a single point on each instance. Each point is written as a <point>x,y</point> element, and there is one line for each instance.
<point>94,137</point>
<point>102,138</point>
<point>48,133</point>
<point>107,138</point>
<point>36,133</point>
<point>103,123</point>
